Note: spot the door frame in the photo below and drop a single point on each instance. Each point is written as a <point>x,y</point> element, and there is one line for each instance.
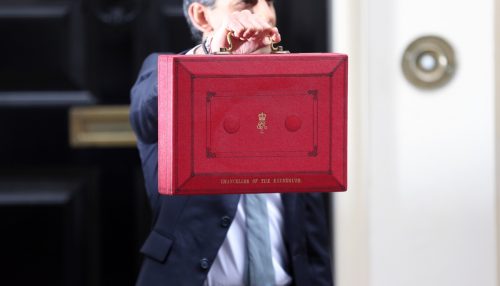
<point>350,210</point>
<point>496,31</point>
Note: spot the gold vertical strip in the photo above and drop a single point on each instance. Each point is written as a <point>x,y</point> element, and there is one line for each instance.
<point>496,48</point>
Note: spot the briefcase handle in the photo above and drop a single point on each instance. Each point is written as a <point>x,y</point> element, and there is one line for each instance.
<point>227,51</point>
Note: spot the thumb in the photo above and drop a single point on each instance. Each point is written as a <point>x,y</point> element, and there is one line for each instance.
<point>275,35</point>
<point>219,40</point>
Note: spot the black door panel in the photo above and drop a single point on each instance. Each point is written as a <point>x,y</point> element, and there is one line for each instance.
<point>78,215</point>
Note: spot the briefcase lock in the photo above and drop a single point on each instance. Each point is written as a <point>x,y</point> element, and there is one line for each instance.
<point>227,51</point>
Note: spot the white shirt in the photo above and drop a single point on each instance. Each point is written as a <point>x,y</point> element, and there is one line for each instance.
<point>228,268</point>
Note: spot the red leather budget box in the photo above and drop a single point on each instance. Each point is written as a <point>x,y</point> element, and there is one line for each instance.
<point>252,123</point>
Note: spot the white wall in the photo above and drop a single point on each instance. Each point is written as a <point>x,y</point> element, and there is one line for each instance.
<point>421,203</point>
<point>497,126</point>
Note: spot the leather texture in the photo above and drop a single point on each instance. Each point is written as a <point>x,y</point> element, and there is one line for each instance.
<point>252,123</point>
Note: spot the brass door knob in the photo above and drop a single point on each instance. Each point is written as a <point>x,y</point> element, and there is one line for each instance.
<point>429,62</point>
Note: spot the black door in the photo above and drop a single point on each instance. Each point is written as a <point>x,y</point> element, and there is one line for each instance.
<point>73,209</point>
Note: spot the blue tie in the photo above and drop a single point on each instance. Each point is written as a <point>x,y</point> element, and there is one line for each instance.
<point>260,264</point>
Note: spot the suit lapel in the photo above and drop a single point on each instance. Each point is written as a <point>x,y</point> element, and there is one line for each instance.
<point>289,217</point>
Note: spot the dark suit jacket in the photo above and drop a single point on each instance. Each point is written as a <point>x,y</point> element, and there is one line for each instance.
<point>189,230</point>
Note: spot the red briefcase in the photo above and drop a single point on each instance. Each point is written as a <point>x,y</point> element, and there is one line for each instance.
<point>252,123</point>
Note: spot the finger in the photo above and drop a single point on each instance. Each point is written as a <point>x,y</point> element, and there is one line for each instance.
<point>267,29</point>
<point>219,39</point>
<point>236,27</point>
<point>249,28</point>
<point>266,41</point>
<point>275,35</point>
<point>237,18</point>
<point>262,22</point>
<point>260,27</point>
<point>257,30</point>
<point>253,26</point>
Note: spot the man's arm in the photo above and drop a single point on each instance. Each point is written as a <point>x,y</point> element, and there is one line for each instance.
<point>144,102</point>
<point>318,240</point>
